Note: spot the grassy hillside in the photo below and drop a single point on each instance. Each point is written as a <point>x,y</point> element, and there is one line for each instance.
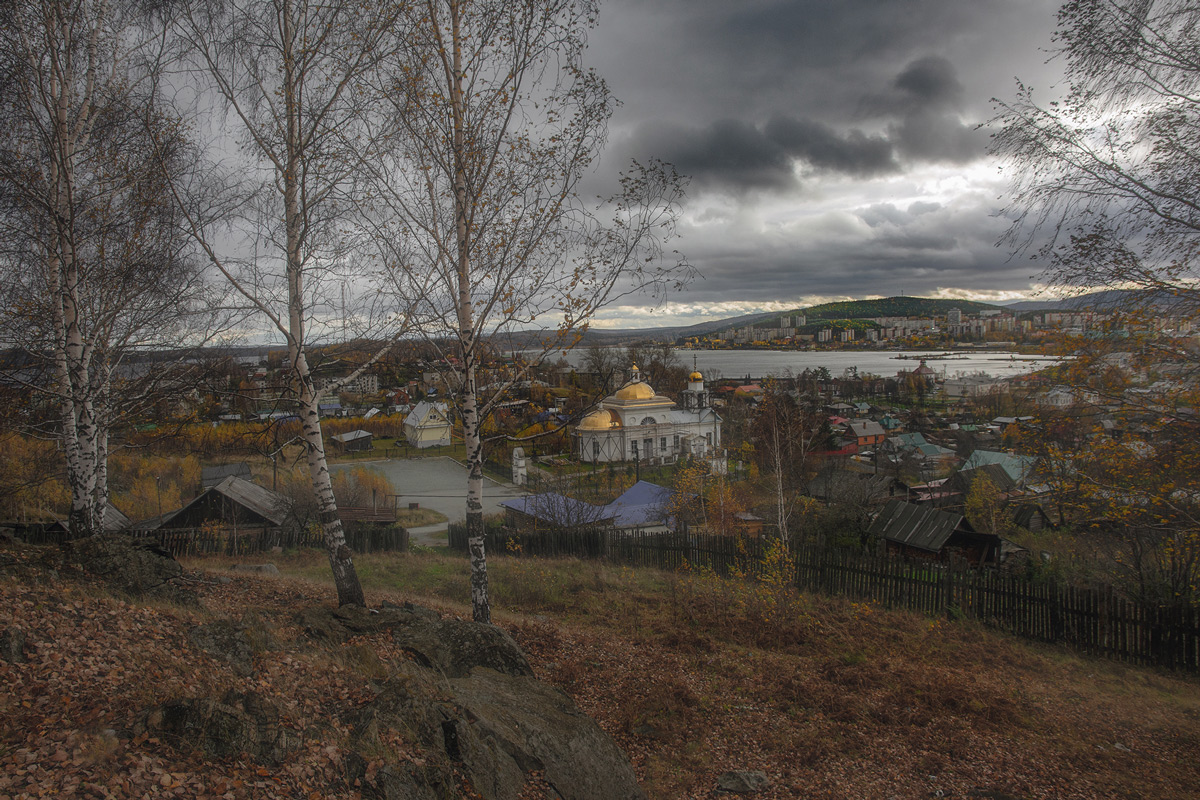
<point>693,676</point>
<point>889,307</point>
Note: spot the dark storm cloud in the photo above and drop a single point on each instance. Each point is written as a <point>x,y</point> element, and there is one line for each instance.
<point>884,249</point>
<point>688,61</point>
<point>728,153</point>
<point>738,155</point>
<point>917,110</point>
<point>833,146</point>
<point>854,153</point>
<point>931,81</point>
<point>922,108</point>
<point>938,138</point>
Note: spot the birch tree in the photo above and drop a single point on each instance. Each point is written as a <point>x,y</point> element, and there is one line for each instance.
<point>501,123</point>
<point>93,254</point>
<point>1103,188</point>
<point>1103,182</point>
<point>295,82</point>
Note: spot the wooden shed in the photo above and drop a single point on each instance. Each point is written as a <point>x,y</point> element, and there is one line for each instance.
<point>926,532</point>
<point>353,441</point>
<point>960,482</point>
<point>233,501</point>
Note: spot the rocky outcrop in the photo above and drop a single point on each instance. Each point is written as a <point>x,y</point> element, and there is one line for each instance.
<point>470,699</point>
<point>136,567</point>
<point>465,698</point>
<point>451,646</point>
<point>12,645</point>
<point>236,643</point>
<point>742,782</point>
<point>515,723</point>
<point>238,723</point>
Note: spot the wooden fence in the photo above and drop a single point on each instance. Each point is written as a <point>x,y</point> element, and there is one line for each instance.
<point>198,541</point>
<point>1093,620</point>
<point>244,541</point>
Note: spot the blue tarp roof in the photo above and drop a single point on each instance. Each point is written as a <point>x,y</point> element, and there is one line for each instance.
<point>558,509</point>
<point>644,503</point>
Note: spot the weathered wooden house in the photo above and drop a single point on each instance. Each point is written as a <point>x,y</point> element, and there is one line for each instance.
<point>995,473</point>
<point>352,441</point>
<point>926,532</point>
<point>1031,516</point>
<point>232,503</point>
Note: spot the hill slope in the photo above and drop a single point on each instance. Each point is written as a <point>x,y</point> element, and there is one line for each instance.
<point>692,676</point>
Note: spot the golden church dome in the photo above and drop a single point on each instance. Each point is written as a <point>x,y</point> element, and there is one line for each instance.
<point>696,376</point>
<point>600,420</point>
<point>635,391</point>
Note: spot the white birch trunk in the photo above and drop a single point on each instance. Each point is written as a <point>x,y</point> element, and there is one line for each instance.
<point>79,424</point>
<point>480,606</point>
<point>341,561</point>
<point>473,441</point>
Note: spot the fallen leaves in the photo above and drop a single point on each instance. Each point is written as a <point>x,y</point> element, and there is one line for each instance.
<point>874,707</point>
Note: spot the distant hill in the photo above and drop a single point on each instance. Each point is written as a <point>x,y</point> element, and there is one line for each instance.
<point>606,336</point>
<point>1107,300</point>
<point>867,309</point>
<point>851,309</point>
<point>892,307</point>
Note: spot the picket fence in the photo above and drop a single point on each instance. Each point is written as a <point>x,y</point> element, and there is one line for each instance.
<point>244,541</point>
<point>199,541</point>
<point>1096,621</point>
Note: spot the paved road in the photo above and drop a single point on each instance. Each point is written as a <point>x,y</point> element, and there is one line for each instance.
<point>436,483</point>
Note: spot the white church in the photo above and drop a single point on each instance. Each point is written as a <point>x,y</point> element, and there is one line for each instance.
<point>636,424</point>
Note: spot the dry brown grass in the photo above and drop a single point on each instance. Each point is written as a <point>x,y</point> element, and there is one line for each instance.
<point>692,675</point>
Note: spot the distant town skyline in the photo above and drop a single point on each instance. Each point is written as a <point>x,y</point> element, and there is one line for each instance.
<point>835,150</point>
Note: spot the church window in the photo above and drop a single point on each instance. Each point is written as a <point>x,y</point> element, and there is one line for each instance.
<point>648,421</point>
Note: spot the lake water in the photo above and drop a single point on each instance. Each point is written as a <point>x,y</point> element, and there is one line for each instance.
<point>761,363</point>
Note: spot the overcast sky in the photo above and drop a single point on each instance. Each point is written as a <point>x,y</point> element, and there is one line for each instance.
<point>832,145</point>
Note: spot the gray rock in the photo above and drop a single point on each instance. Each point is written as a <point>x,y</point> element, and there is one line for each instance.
<point>537,727</point>
<point>319,624</point>
<point>267,570</point>
<point>138,567</point>
<point>334,626</point>
<point>413,699</point>
<point>232,642</point>
<point>498,728</point>
<point>238,723</point>
<point>408,782</point>
<point>747,782</point>
<point>456,647</point>
<point>12,645</point>
<point>470,700</point>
